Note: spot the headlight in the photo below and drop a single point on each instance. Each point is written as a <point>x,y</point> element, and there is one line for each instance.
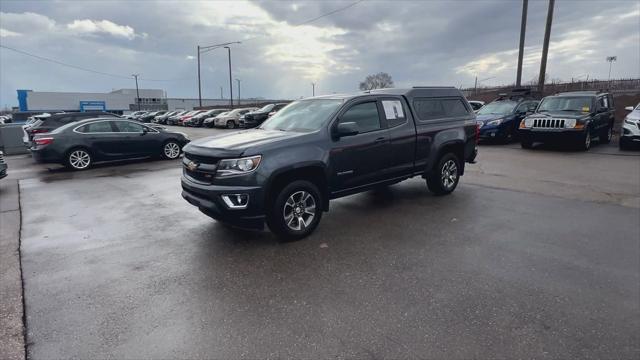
<point>230,167</point>
<point>570,123</point>
<point>495,122</point>
<point>630,121</point>
<point>528,123</point>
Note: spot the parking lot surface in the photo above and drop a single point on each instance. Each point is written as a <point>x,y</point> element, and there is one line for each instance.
<point>536,254</point>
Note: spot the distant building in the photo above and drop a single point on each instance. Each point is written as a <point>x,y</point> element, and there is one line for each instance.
<point>117,101</point>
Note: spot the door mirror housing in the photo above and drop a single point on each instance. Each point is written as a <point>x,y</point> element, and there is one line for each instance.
<point>144,131</point>
<point>346,129</point>
<point>629,108</point>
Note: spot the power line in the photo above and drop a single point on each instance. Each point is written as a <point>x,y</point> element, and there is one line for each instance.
<point>73,66</point>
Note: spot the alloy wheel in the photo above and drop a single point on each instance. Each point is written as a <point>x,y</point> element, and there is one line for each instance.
<point>299,210</point>
<point>449,174</point>
<point>587,140</point>
<point>171,150</point>
<point>79,159</point>
<point>231,124</point>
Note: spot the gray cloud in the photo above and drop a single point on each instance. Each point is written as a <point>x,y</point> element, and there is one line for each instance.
<point>417,42</point>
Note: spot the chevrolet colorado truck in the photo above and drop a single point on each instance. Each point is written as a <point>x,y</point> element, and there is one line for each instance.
<point>286,171</point>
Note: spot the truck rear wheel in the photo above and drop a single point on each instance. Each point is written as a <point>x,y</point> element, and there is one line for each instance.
<point>443,179</point>
<point>296,211</point>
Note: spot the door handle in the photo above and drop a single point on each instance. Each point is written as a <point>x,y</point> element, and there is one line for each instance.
<point>380,139</point>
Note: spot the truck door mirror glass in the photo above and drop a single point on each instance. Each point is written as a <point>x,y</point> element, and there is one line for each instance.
<point>347,129</point>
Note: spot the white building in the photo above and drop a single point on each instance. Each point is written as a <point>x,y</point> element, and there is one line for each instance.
<point>117,101</point>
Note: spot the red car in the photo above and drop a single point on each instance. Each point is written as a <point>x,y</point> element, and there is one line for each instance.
<point>188,116</point>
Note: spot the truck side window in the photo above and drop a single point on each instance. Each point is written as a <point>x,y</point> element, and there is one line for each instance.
<point>365,115</point>
<point>601,103</point>
<point>454,107</point>
<point>428,109</point>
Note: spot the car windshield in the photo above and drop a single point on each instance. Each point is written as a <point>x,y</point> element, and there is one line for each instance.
<point>498,108</point>
<point>565,103</point>
<point>303,115</point>
<point>266,108</point>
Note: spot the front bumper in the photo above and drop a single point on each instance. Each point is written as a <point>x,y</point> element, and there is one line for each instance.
<point>552,135</point>
<point>490,132</point>
<point>208,198</point>
<point>3,170</point>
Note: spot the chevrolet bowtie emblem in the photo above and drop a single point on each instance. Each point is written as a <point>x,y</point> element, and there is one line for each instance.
<point>192,166</point>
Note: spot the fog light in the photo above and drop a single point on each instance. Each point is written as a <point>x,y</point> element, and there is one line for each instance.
<point>236,201</point>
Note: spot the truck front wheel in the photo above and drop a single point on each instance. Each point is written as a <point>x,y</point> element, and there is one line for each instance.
<point>296,211</point>
<point>443,179</point>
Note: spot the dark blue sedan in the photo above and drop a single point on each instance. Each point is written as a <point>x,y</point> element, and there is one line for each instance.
<point>500,119</point>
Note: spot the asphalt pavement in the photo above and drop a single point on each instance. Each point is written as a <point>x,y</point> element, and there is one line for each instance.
<point>536,254</point>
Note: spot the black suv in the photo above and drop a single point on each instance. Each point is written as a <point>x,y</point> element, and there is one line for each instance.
<point>50,123</point>
<point>255,118</point>
<point>499,120</point>
<point>571,117</point>
<point>322,148</point>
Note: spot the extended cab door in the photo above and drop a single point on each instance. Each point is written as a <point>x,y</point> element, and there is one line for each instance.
<point>358,160</point>
<point>401,132</point>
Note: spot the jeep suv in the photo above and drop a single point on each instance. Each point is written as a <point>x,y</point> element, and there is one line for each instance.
<point>571,118</point>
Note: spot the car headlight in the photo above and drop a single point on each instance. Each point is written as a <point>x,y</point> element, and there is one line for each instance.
<point>570,123</point>
<point>495,122</point>
<point>231,167</point>
<point>630,121</point>
<point>528,123</point>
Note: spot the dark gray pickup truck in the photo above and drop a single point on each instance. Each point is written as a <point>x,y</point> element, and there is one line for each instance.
<point>322,148</point>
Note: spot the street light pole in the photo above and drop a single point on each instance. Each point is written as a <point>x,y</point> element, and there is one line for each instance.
<point>199,86</point>
<point>610,59</point>
<point>230,77</point>
<point>545,47</point>
<point>239,98</point>
<point>523,29</point>
<point>221,95</point>
<point>135,76</point>
<point>313,89</point>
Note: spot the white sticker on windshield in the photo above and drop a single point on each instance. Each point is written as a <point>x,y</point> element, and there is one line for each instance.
<point>392,109</point>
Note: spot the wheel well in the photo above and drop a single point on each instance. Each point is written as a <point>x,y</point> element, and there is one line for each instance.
<point>314,174</point>
<point>457,149</point>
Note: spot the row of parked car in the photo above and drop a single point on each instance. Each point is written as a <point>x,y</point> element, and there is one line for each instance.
<point>574,118</point>
<point>228,118</point>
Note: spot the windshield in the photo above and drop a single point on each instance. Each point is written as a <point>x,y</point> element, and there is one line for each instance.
<point>303,115</point>
<point>498,108</point>
<point>266,108</point>
<point>566,103</point>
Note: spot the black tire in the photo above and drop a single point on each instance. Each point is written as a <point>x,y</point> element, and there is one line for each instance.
<point>605,135</point>
<point>231,124</point>
<point>585,143</point>
<point>169,149</point>
<point>444,177</point>
<point>290,200</point>
<point>78,159</point>
<point>526,144</point>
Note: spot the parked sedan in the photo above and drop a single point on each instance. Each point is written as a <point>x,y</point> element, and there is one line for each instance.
<point>78,145</point>
<point>172,120</point>
<point>209,119</point>
<point>231,119</point>
<point>198,120</point>
<point>161,119</point>
<point>255,118</point>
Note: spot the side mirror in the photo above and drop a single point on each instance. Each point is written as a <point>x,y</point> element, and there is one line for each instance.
<point>144,131</point>
<point>601,110</point>
<point>346,129</point>
<point>629,108</point>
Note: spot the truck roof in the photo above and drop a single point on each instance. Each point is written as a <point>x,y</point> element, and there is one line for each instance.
<point>416,91</point>
<point>583,93</point>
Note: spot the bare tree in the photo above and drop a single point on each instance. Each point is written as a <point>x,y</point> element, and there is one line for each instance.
<point>377,81</point>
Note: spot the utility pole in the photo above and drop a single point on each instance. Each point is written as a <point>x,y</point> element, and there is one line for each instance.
<point>238,80</point>
<point>523,29</point>
<point>545,47</point>
<point>475,86</point>
<point>610,59</point>
<point>221,95</point>
<point>230,81</point>
<point>199,86</point>
<point>313,89</point>
<point>135,76</point>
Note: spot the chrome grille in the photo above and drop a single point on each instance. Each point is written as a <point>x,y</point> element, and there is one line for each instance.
<point>548,123</point>
<point>1,157</point>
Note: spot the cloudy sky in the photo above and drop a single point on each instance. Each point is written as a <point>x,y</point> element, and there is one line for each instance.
<point>417,42</point>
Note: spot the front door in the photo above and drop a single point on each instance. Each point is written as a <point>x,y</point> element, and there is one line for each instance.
<point>136,141</point>
<point>359,159</point>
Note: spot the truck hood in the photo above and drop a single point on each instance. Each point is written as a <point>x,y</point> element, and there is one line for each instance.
<point>235,144</point>
<point>488,117</point>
